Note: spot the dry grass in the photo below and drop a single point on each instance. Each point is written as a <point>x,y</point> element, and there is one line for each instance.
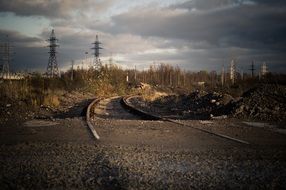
<point>152,94</point>
<point>51,100</point>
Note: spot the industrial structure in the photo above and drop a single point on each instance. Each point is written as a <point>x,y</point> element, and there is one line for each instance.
<point>252,69</point>
<point>232,71</point>
<point>222,76</point>
<point>6,53</point>
<point>96,62</point>
<point>52,69</point>
<point>263,69</point>
<point>110,59</point>
<point>72,72</point>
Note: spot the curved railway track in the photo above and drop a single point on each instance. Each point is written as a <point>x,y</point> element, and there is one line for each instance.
<point>137,152</point>
<point>127,104</point>
<point>120,108</point>
<point>112,108</point>
<point>157,148</point>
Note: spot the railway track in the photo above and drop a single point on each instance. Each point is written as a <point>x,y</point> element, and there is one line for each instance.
<point>128,105</point>
<point>112,108</point>
<point>108,108</point>
<point>152,148</point>
<point>89,124</point>
<point>120,108</point>
<point>136,153</point>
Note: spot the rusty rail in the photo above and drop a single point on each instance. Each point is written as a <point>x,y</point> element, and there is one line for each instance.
<point>126,103</point>
<point>91,127</point>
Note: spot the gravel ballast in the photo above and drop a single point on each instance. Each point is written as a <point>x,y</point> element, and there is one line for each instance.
<point>136,154</point>
<point>91,166</point>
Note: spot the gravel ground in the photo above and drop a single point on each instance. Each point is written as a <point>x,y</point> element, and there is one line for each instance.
<point>264,102</point>
<point>91,166</point>
<point>163,155</point>
<point>133,154</point>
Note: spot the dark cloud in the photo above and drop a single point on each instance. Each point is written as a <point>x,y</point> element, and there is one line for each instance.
<point>53,8</point>
<point>29,59</point>
<point>246,26</point>
<point>28,52</point>
<point>271,3</point>
<point>28,8</point>
<point>208,4</point>
<point>197,34</point>
<point>254,26</point>
<point>31,53</point>
<point>18,39</point>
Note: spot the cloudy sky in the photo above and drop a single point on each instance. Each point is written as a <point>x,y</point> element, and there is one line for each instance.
<point>193,34</point>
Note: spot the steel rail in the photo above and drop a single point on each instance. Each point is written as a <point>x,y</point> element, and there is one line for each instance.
<point>125,101</point>
<point>88,112</point>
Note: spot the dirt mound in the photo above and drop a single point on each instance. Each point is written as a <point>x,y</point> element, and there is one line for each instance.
<point>196,105</point>
<point>14,112</point>
<point>266,102</point>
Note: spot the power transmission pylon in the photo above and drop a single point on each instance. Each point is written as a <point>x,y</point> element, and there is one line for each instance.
<point>222,76</point>
<point>252,69</point>
<point>97,62</point>
<point>6,59</point>
<point>52,69</point>
<point>135,74</point>
<point>110,60</point>
<point>72,74</point>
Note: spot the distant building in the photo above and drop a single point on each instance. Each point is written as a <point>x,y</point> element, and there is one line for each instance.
<point>200,83</point>
<point>263,69</point>
<point>11,76</point>
<point>232,72</point>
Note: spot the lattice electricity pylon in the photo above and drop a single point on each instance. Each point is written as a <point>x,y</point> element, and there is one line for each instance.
<point>222,76</point>
<point>52,69</point>
<point>252,69</point>
<point>6,53</point>
<point>96,61</point>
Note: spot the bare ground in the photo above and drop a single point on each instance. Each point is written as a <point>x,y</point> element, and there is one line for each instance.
<point>162,155</point>
<point>59,152</point>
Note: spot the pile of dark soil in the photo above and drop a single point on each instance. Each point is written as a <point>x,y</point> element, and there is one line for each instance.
<point>196,105</point>
<point>15,111</point>
<point>266,102</point>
